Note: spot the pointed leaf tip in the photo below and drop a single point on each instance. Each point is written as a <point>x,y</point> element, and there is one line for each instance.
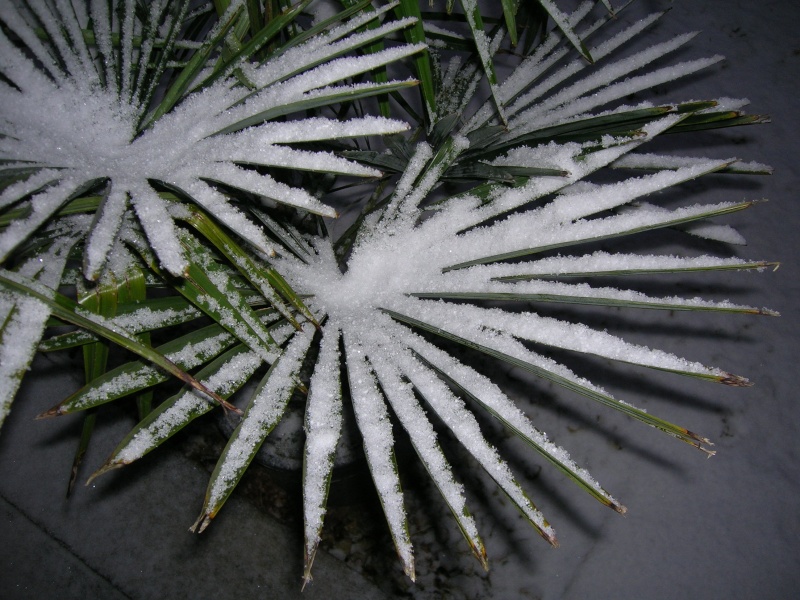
<point>49,413</point>
<point>701,442</point>
<point>550,538</point>
<point>735,380</point>
<point>306,581</point>
<point>410,571</point>
<point>108,466</point>
<point>480,554</point>
<point>308,560</point>
<point>203,521</point>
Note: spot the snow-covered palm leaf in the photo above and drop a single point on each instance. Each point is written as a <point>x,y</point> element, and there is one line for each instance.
<point>551,98</point>
<point>137,317</point>
<point>407,262</point>
<point>232,366</point>
<point>24,317</point>
<point>73,115</point>
<point>373,313</point>
<point>188,351</point>
<point>467,30</point>
<point>67,311</point>
<point>227,373</point>
<point>263,413</point>
<point>400,259</point>
<point>548,99</point>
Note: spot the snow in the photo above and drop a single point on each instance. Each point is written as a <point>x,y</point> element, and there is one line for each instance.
<point>32,184</point>
<point>42,206</point>
<point>25,317</point>
<point>558,333</point>
<point>515,238</point>
<point>603,77</point>
<point>100,141</point>
<point>404,263</point>
<point>159,228</point>
<point>492,398</point>
<point>465,427</point>
<point>399,254</point>
<point>138,376</point>
<point>373,422</point>
<point>262,414</point>
<point>544,57</point>
<point>569,157</point>
<point>719,233</point>
<point>562,21</point>
<point>147,319</point>
<point>25,320</point>
<point>604,263</point>
<point>175,413</point>
<point>422,154</point>
<point>323,424</point>
<point>103,235</point>
<point>413,419</point>
<point>321,47</point>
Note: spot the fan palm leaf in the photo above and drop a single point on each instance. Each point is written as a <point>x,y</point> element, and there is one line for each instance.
<point>376,312</point>
<point>213,133</point>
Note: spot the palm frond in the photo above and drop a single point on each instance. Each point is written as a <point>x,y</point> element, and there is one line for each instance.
<point>103,147</point>
<point>216,194</point>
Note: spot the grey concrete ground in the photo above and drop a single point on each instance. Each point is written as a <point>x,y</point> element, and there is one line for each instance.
<point>720,528</point>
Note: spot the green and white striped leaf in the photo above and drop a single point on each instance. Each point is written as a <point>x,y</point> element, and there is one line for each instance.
<point>550,371</point>
<point>226,374</point>
<point>67,310</point>
<point>263,413</point>
<point>373,422</point>
<point>482,391</point>
<point>423,437</point>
